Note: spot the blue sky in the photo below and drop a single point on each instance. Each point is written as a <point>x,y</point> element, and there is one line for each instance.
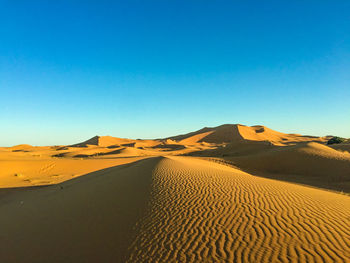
<point>70,70</point>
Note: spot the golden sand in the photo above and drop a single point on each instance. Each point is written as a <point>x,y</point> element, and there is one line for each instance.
<point>119,200</point>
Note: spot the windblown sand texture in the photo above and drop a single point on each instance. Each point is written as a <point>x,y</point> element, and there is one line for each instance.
<point>121,200</point>
<point>200,212</point>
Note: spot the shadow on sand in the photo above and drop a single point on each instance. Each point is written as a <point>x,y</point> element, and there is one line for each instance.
<point>80,220</point>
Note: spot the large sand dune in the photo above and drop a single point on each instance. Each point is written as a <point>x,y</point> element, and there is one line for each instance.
<point>201,212</point>
<point>174,209</point>
<point>237,133</point>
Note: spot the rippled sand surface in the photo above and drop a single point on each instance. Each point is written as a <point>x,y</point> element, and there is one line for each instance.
<point>200,212</point>
<point>174,209</point>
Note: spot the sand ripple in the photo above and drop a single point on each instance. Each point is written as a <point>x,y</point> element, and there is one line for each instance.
<point>205,212</point>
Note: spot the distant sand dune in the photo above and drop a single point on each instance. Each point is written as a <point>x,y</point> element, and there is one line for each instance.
<point>103,141</point>
<point>237,133</point>
<point>309,163</point>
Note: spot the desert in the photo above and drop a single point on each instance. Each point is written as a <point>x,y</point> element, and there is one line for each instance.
<point>231,193</point>
<point>174,131</point>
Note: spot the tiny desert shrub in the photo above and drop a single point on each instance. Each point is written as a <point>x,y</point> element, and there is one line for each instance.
<point>336,140</point>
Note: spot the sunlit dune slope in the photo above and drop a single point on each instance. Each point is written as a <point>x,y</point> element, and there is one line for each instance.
<point>109,141</point>
<point>174,209</point>
<point>102,141</point>
<point>42,172</point>
<point>237,133</point>
<point>21,147</point>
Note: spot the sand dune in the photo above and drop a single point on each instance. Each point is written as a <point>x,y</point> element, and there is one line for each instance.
<point>21,147</point>
<point>343,147</point>
<point>109,199</point>
<point>256,149</point>
<point>308,163</point>
<point>36,165</point>
<point>239,148</point>
<point>237,133</point>
<point>200,212</point>
<point>109,141</point>
<point>88,219</point>
<point>103,141</point>
<point>174,209</point>
<point>21,173</point>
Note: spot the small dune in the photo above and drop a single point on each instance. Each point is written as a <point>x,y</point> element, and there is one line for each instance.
<point>21,147</point>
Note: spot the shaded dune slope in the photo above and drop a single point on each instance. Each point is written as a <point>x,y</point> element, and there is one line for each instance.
<point>309,163</point>
<point>87,219</point>
<point>239,148</point>
<point>343,147</point>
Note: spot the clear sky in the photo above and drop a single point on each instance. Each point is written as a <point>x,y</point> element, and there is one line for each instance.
<point>70,70</point>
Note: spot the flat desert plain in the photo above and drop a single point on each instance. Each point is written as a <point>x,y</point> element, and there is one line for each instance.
<point>231,193</point>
